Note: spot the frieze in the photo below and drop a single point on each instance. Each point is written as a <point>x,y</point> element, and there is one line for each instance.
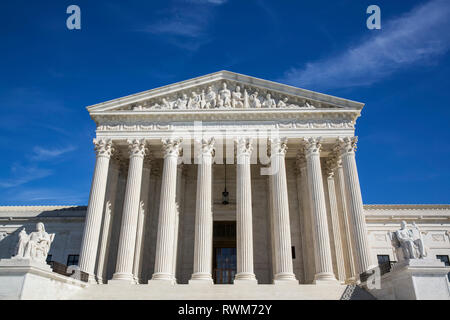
<point>299,124</point>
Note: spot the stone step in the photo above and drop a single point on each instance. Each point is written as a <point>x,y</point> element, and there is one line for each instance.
<point>212,292</point>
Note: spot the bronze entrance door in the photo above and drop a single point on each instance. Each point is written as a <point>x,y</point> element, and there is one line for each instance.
<point>224,259</point>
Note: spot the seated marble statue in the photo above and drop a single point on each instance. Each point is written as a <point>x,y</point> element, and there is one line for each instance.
<point>35,245</point>
<point>410,242</point>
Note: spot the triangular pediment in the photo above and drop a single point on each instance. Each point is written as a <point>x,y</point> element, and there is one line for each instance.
<point>223,91</point>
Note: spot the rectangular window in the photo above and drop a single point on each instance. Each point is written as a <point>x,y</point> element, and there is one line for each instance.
<point>72,260</point>
<point>382,258</point>
<point>444,258</point>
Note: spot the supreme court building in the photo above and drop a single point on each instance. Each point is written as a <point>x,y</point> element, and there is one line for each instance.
<point>225,186</point>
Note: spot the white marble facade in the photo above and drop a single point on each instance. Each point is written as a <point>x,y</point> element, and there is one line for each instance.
<point>152,205</point>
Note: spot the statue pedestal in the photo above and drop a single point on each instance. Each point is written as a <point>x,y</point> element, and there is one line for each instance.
<point>23,279</point>
<point>16,265</point>
<point>415,279</point>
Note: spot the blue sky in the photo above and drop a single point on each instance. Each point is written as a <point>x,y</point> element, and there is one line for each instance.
<point>49,74</point>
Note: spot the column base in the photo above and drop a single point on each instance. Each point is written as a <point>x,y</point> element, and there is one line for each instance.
<point>201,278</point>
<point>325,278</point>
<point>120,282</point>
<point>121,278</point>
<point>162,277</point>
<point>201,282</point>
<point>245,277</point>
<point>285,278</point>
<point>252,282</point>
<point>161,282</point>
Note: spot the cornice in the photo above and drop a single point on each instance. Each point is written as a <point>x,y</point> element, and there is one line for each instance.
<point>407,206</point>
<point>397,212</point>
<point>274,115</point>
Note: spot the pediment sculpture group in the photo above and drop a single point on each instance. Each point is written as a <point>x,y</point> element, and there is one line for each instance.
<point>223,98</point>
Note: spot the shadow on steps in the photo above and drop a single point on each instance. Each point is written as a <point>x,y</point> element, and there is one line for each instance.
<point>354,292</point>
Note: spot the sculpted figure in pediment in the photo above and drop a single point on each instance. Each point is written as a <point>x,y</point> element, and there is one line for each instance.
<point>202,100</point>
<point>166,104</point>
<point>308,105</point>
<point>246,100</point>
<point>224,100</point>
<point>211,98</point>
<point>254,101</point>
<point>194,101</point>
<point>182,102</point>
<point>282,103</point>
<point>269,102</point>
<point>237,99</point>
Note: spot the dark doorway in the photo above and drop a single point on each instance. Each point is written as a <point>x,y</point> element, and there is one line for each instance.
<point>224,259</point>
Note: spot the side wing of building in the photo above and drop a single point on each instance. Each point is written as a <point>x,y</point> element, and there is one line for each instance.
<point>67,223</point>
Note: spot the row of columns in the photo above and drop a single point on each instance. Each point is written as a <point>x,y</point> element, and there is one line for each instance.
<point>130,239</point>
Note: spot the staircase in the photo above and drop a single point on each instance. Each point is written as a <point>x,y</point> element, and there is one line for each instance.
<point>222,292</point>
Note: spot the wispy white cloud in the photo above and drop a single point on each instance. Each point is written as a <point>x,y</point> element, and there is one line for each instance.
<point>418,37</point>
<point>186,22</point>
<point>48,195</point>
<point>22,175</point>
<point>40,154</point>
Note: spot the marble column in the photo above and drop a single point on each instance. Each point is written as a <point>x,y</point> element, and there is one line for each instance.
<point>142,214</point>
<point>270,224</point>
<point>203,215</point>
<point>110,200</point>
<point>281,223</point>
<point>244,225</point>
<point>89,245</point>
<point>127,237</point>
<point>179,208</point>
<point>355,204</point>
<point>167,213</point>
<point>305,219</point>
<point>340,266</point>
<point>323,259</point>
<point>345,219</point>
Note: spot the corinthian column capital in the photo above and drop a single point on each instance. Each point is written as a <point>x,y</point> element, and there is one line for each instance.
<point>137,148</point>
<point>171,147</point>
<point>103,147</point>
<point>244,146</point>
<point>278,146</point>
<point>347,144</point>
<point>206,146</point>
<point>312,146</point>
